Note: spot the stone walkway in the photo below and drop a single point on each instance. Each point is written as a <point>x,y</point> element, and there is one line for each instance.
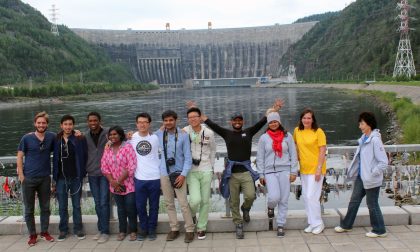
<point>400,238</point>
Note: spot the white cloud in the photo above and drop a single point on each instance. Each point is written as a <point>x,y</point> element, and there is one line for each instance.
<point>189,14</point>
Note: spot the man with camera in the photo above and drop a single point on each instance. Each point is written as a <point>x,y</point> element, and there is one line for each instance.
<point>175,164</point>
<point>203,151</point>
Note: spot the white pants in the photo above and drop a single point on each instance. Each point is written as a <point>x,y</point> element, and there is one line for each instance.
<point>278,188</point>
<point>311,192</point>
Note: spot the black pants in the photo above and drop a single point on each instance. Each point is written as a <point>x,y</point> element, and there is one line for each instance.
<point>40,186</point>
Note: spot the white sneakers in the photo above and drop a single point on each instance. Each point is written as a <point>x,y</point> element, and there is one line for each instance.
<point>374,235</point>
<point>339,229</point>
<point>315,230</point>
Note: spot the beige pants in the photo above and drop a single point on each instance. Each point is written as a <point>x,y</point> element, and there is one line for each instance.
<point>181,194</point>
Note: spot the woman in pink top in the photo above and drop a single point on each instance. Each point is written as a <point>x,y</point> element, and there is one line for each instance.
<point>118,164</point>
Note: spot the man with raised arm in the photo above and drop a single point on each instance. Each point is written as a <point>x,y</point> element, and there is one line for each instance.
<point>238,175</point>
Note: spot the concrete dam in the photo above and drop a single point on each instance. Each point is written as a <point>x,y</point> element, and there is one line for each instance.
<point>169,57</point>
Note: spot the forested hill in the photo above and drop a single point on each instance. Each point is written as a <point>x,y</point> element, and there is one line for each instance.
<point>359,41</point>
<point>29,50</point>
<point>318,17</point>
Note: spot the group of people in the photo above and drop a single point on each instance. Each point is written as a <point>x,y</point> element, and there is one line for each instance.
<point>136,167</point>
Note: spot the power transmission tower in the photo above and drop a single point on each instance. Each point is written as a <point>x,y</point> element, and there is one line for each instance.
<point>54,14</point>
<point>404,63</point>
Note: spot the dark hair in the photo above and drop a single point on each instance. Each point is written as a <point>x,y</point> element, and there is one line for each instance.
<point>119,131</point>
<point>144,115</point>
<point>66,118</point>
<point>194,109</point>
<point>93,113</point>
<point>314,125</point>
<point>369,119</point>
<point>281,128</point>
<point>169,113</point>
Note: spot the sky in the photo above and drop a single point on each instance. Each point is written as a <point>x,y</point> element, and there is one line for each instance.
<point>181,14</point>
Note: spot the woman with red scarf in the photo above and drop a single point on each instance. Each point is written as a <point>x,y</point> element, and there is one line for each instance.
<point>277,165</point>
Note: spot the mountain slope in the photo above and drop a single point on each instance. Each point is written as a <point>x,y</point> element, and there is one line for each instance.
<point>29,50</point>
<point>361,40</point>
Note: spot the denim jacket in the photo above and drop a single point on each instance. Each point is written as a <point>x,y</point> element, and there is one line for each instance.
<point>227,173</point>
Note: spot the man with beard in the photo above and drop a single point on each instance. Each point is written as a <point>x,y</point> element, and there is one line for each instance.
<point>175,164</point>
<point>238,175</point>
<point>69,169</point>
<point>35,175</point>
<point>96,138</point>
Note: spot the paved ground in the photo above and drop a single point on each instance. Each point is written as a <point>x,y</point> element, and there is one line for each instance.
<point>400,238</point>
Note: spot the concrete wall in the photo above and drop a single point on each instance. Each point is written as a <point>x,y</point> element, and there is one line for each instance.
<point>175,56</point>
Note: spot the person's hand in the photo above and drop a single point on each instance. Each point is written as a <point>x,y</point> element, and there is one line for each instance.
<point>318,175</point>
<point>21,178</point>
<point>262,181</point>
<point>129,135</point>
<point>77,133</point>
<point>179,181</point>
<point>115,185</point>
<point>53,189</point>
<point>191,104</point>
<point>278,103</point>
<point>292,178</point>
<point>108,144</point>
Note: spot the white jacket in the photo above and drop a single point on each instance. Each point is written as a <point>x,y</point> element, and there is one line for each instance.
<point>373,161</point>
<point>208,155</point>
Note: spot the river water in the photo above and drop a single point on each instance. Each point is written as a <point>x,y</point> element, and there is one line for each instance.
<point>337,112</point>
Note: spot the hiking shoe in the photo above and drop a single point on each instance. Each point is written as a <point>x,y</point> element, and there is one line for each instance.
<point>152,235</point>
<point>339,229</point>
<point>32,240</point>
<point>245,214</point>
<point>80,235</point>
<point>270,212</point>
<point>318,229</point>
<point>201,235</point>
<point>280,232</point>
<point>172,235</point>
<point>141,236</point>
<point>97,236</point>
<point>375,235</point>
<point>239,231</point>
<point>62,236</point>
<point>47,237</point>
<point>103,238</point>
<point>189,237</point>
<point>308,229</point>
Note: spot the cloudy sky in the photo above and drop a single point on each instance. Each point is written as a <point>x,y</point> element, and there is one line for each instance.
<point>188,14</point>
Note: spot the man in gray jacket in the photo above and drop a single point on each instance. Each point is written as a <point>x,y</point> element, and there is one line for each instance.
<point>96,138</point>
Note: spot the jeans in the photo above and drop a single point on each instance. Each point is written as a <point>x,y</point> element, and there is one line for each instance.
<point>63,187</point>
<point>375,214</point>
<point>241,181</point>
<point>99,188</point>
<point>126,208</point>
<point>40,186</point>
<point>199,186</point>
<point>147,193</point>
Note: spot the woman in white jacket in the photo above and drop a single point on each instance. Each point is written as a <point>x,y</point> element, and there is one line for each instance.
<point>366,169</point>
<point>277,166</point>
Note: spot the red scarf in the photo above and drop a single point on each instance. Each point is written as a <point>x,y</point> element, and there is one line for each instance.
<point>277,137</point>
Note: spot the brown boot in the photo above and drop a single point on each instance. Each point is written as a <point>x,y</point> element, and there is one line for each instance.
<point>172,235</point>
<point>189,237</point>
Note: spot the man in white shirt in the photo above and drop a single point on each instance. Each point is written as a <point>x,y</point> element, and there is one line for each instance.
<point>147,176</point>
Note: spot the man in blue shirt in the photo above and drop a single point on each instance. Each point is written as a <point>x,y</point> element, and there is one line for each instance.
<point>175,164</point>
<point>35,175</point>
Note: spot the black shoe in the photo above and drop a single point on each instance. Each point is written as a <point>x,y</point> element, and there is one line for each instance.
<point>141,236</point>
<point>239,231</point>
<point>280,231</point>
<point>270,213</point>
<point>152,235</point>
<point>62,236</point>
<point>245,214</point>
<point>80,235</point>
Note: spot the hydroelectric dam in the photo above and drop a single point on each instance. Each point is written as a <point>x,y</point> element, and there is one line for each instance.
<point>177,56</point>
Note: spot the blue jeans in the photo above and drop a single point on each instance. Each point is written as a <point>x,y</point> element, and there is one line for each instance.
<point>40,186</point>
<point>147,190</point>
<point>126,208</point>
<point>372,195</point>
<point>63,187</point>
<point>99,187</point>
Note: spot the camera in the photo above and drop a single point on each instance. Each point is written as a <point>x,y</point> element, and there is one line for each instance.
<point>170,161</point>
<point>196,162</point>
